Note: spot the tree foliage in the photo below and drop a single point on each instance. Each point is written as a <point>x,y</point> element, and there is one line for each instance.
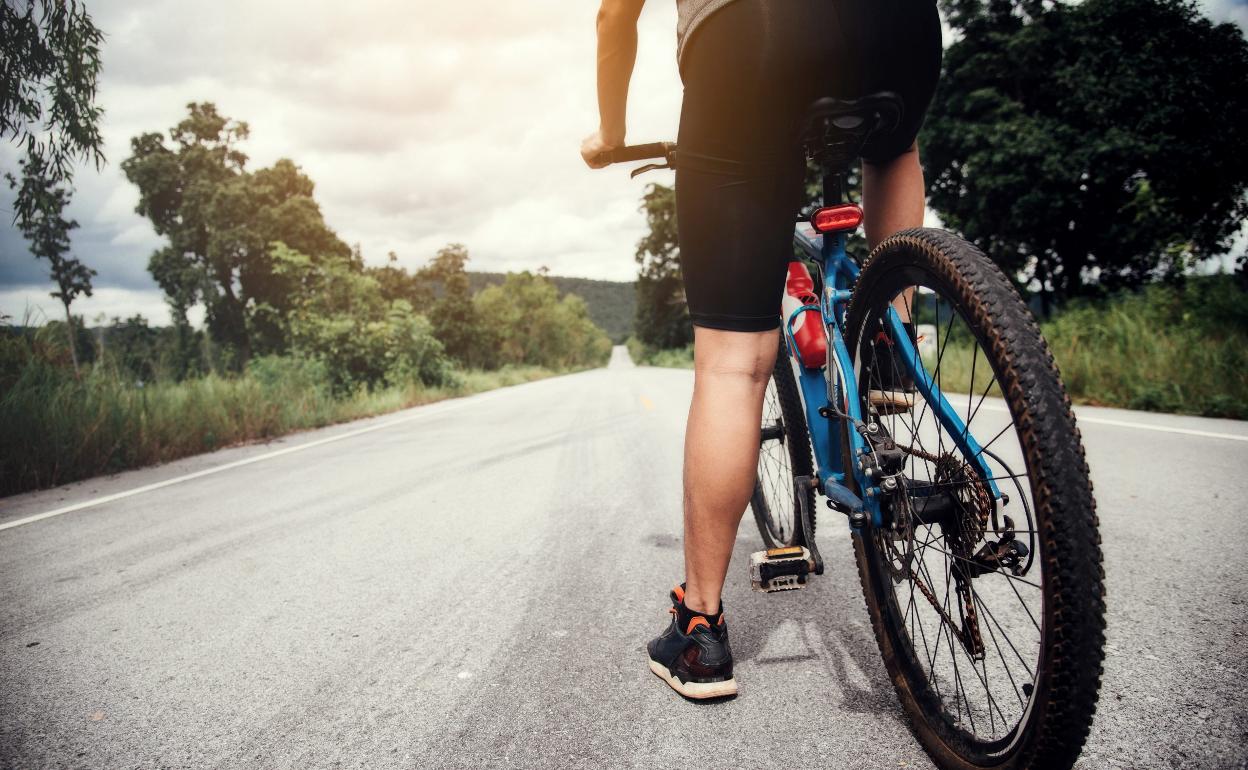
<point>133,347</point>
<point>454,319</point>
<point>220,221</point>
<point>339,316</point>
<point>662,318</point>
<point>47,230</point>
<point>1097,144</point>
<point>612,304</point>
<point>524,321</point>
<point>49,62</point>
<point>397,283</point>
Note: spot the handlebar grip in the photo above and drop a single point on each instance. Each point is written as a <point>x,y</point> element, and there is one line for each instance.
<point>637,152</point>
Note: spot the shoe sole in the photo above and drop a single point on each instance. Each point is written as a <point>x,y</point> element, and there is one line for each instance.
<point>695,690</point>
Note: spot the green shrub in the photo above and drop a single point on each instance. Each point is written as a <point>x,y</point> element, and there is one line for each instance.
<point>55,428</point>
<point>644,355</point>
<point>1163,349</point>
<point>528,323</point>
<point>341,318</point>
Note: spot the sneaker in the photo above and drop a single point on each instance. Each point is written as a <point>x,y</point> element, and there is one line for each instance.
<point>892,389</point>
<point>693,655</point>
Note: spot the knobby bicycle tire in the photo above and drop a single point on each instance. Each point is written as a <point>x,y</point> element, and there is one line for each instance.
<point>1056,721</point>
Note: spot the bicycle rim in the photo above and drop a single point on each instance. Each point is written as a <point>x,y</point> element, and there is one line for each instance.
<point>965,589</point>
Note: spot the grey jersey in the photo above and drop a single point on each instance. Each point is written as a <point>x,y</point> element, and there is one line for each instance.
<point>692,13</point>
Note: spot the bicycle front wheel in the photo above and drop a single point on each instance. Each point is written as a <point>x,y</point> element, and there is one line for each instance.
<point>984,581</point>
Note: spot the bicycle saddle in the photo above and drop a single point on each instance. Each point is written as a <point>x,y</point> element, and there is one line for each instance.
<point>835,131</point>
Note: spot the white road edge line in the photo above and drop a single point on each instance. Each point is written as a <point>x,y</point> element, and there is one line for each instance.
<point>426,411</point>
<point>1139,425</point>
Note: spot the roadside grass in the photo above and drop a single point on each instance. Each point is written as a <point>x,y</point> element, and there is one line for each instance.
<point>1161,350</point>
<point>673,358</point>
<point>960,368</point>
<point>55,429</point>
<point>1164,349</point>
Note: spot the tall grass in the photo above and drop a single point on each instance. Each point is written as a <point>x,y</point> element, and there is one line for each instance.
<point>1132,353</point>
<point>1165,349</point>
<point>55,429</point>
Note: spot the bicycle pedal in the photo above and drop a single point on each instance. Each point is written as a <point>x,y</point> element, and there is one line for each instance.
<point>781,569</point>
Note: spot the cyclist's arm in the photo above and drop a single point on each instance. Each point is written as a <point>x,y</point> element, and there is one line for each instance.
<point>617,51</point>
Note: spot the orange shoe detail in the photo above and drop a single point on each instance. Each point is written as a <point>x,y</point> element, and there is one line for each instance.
<point>695,621</point>
<point>680,593</point>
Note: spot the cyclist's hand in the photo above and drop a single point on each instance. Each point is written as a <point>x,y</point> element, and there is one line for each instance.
<point>592,148</point>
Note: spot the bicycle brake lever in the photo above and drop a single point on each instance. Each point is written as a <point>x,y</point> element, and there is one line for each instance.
<point>648,167</point>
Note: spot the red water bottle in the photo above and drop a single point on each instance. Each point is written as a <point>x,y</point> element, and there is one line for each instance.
<point>807,327</point>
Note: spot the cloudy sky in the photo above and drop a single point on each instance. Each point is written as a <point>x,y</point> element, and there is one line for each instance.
<point>421,122</point>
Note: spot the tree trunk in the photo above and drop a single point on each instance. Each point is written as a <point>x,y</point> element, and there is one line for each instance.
<point>73,338</point>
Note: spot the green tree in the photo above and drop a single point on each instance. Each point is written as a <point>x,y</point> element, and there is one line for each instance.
<point>455,321</point>
<point>662,318</point>
<point>132,346</point>
<point>50,52</point>
<point>530,324</point>
<point>1090,144</point>
<point>397,283</point>
<point>47,230</point>
<point>339,316</point>
<point>50,55</point>
<point>220,221</point>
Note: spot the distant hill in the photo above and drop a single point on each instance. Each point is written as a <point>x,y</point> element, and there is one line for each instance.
<point>611,303</point>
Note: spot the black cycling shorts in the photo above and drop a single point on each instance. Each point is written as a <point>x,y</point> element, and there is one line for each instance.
<point>750,72</point>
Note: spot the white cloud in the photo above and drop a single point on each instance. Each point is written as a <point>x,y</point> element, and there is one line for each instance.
<point>1234,11</point>
<point>34,305</point>
<point>420,122</point>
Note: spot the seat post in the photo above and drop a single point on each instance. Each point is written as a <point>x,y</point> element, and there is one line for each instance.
<point>833,187</point>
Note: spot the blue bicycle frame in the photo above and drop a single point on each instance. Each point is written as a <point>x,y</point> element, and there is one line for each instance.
<point>835,385</point>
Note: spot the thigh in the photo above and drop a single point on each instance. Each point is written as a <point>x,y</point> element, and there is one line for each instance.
<point>740,169</point>
<point>735,232</point>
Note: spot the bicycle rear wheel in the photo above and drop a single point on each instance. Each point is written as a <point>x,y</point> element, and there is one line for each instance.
<point>989,613</point>
<point>784,452</point>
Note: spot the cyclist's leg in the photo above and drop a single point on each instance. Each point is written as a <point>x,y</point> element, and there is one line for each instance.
<point>892,195</point>
<point>731,370</point>
<point>893,200</point>
<point>902,57</point>
<point>738,185</point>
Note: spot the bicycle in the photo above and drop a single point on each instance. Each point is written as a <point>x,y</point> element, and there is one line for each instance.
<point>979,559</point>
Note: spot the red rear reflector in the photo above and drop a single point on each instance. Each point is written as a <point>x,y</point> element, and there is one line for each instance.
<point>832,219</point>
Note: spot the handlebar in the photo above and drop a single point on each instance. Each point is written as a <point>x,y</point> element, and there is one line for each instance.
<point>664,150</point>
<point>639,152</point>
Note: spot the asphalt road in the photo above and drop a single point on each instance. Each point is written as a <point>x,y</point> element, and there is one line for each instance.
<point>471,584</point>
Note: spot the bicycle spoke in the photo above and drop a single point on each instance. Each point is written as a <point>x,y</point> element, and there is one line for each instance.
<point>1004,635</point>
<point>1004,665</point>
<point>950,637</point>
<point>969,561</point>
<point>969,650</point>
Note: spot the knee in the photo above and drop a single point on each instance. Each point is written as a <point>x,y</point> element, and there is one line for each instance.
<point>739,356</point>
